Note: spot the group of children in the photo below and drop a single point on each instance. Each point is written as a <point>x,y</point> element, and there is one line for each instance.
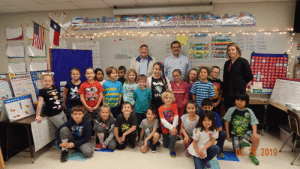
<point>121,111</point>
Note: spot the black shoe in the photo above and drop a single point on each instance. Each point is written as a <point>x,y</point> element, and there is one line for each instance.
<point>153,148</point>
<point>132,146</point>
<point>157,143</point>
<point>64,156</point>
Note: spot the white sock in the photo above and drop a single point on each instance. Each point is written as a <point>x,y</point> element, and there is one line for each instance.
<point>64,141</point>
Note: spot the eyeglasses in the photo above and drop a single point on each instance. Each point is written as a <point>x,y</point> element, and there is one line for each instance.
<point>173,47</point>
<point>176,76</point>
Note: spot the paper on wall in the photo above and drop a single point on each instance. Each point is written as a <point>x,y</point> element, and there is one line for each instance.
<point>38,66</point>
<point>13,33</point>
<point>17,67</point>
<point>15,51</point>
<point>35,52</point>
<point>29,32</point>
<point>94,46</point>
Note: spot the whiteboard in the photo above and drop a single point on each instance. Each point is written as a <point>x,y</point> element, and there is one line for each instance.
<point>116,51</point>
<point>286,91</point>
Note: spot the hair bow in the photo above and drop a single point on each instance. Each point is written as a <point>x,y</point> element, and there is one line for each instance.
<point>48,73</point>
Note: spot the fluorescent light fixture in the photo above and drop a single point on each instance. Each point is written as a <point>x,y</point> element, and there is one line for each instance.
<point>164,10</point>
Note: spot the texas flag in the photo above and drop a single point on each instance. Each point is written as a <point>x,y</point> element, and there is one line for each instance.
<point>54,33</point>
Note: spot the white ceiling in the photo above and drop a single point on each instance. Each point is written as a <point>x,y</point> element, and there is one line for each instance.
<point>13,6</point>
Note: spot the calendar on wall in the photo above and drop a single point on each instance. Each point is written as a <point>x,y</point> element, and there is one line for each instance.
<point>266,68</point>
<point>19,107</point>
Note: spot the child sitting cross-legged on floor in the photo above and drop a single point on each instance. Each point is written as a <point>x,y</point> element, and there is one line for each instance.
<point>75,133</point>
<point>104,127</point>
<point>238,120</point>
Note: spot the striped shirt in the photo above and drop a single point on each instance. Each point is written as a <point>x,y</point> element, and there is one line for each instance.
<point>202,91</point>
<point>112,90</point>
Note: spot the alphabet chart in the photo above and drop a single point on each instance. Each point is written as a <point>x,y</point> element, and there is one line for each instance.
<point>19,107</point>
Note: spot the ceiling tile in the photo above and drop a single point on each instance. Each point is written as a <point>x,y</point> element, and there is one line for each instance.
<point>34,7</point>
<point>11,9</point>
<point>90,4</point>
<point>147,3</point>
<point>62,6</point>
<point>13,2</point>
<point>121,3</point>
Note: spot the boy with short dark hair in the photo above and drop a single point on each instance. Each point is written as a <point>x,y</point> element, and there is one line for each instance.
<point>207,105</point>
<point>113,91</point>
<point>121,74</point>
<point>238,120</point>
<point>75,133</point>
<point>125,127</point>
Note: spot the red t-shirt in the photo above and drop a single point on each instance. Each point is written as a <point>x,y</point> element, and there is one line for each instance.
<point>91,92</point>
<point>167,114</point>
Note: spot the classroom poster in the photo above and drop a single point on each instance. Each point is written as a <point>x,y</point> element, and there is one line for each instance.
<point>22,85</point>
<point>286,92</point>
<point>219,45</point>
<point>38,66</point>
<point>199,50</point>
<point>42,133</point>
<point>266,68</point>
<point>19,107</point>
<point>5,91</point>
<point>36,77</point>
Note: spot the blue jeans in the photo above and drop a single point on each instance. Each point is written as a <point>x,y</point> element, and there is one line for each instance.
<point>211,152</point>
<point>221,140</point>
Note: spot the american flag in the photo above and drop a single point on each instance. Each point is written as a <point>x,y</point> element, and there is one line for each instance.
<point>38,36</point>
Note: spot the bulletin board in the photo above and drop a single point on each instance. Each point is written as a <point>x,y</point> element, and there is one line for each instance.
<point>63,60</point>
<point>117,51</point>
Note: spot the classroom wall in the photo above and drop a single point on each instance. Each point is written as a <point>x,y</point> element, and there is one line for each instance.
<point>269,16</point>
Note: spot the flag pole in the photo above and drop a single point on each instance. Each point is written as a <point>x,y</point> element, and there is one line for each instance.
<point>40,25</point>
<point>61,27</point>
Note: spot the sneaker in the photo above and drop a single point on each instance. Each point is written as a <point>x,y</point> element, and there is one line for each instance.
<point>207,164</point>
<point>173,154</point>
<point>98,147</point>
<point>56,146</point>
<point>244,144</point>
<point>153,148</point>
<point>254,159</point>
<point>157,143</point>
<point>132,146</point>
<point>187,154</point>
<point>64,156</point>
<point>221,155</point>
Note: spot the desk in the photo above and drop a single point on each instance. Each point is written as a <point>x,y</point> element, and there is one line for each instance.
<point>278,106</point>
<point>26,122</point>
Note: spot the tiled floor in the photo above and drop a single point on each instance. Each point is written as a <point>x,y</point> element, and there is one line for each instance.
<point>133,158</point>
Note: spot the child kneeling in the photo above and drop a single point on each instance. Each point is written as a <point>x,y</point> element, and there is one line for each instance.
<point>104,127</point>
<point>149,129</point>
<point>237,123</point>
<point>75,133</point>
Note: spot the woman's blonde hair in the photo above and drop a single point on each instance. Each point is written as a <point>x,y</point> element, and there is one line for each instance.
<point>237,47</point>
<point>127,75</point>
<point>168,94</point>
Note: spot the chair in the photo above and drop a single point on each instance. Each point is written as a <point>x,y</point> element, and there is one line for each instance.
<point>294,124</point>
